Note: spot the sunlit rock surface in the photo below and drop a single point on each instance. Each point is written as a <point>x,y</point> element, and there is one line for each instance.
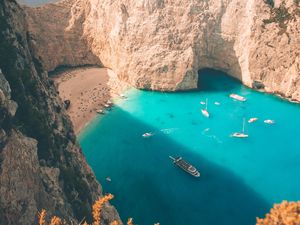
<point>161,45</point>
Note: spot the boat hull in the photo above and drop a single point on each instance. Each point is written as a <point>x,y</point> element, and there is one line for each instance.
<point>185,166</point>
<point>240,135</point>
<point>237,97</point>
<point>205,113</point>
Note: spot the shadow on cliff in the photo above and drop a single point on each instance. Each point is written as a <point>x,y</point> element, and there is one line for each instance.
<point>210,80</point>
<point>219,48</point>
<point>149,188</point>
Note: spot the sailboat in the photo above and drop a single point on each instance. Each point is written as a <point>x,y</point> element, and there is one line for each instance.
<point>204,111</point>
<point>242,134</point>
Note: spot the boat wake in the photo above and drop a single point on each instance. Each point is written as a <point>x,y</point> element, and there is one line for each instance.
<point>164,131</point>
<point>168,130</point>
<point>212,136</point>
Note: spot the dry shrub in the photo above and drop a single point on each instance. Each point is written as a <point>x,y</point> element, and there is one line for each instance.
<point>42,217</point>
<point>55,221</point>
<point>96,214</point>
<point>286,213</point>
<point>98,206</point>
<point>129,222</point>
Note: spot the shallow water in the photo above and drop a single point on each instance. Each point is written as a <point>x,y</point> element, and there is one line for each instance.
<point>240,178</point>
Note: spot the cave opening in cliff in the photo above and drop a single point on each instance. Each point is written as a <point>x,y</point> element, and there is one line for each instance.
<point>215,80</point>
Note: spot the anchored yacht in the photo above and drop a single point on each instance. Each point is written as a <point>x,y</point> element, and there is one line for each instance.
<point>182,164</point>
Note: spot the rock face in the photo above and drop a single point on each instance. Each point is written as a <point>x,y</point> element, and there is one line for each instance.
<point>161,44</point>
<point>41,165</point>
<point>62,39</point>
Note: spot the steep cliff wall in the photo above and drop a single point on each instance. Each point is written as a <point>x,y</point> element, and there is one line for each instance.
<point>41,165</point>
<point>161,44</point>
<point>56,34</point>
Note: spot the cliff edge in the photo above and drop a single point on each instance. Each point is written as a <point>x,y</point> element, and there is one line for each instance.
<point>41,165</point>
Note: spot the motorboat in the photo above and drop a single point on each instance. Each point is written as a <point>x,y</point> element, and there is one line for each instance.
<point>253,119</point>
<point>237,97</point>
<point>148,134</point>
<point>269,121</point>
<point>100,111</point>
<point>184,165</point>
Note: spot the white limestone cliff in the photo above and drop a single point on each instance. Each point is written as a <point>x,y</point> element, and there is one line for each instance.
<point>162,44</point>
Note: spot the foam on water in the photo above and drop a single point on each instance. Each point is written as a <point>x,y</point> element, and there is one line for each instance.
<point>240,178</point>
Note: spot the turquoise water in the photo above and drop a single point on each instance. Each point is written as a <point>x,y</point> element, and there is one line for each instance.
<point>240,178</point>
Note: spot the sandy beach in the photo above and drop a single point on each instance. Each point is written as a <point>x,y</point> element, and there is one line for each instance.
<point>88,90</point>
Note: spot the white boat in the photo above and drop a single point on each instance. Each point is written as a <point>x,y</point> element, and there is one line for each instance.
<point>108,179</point>
<point>107,105</point>
<point>204,111</point>
<point>184,165</point>
<point>123,96</point>
<point>202,103</point>
<point>217,103</point>
<point>148,134</point>
<point>269,121</point>
<point>237,97</point>
<point>100,111</point>
<point>241,134</point>
<point>253,119</point>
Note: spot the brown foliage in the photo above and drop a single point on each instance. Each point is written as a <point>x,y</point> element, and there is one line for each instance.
<point>96,214</point>
<point>55,221</point>
<point>129,222</point>
<point>42,217</point>
<point>98,206</point>
<point>286,213</point>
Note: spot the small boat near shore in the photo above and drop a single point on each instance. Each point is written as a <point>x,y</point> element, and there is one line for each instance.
<point>108,179</point>
<point>100,111</point>
<point>147,135</point>
<point>237,97</point>
<point>269,121</point>
<point>107,105</point>
<point>182,164</point>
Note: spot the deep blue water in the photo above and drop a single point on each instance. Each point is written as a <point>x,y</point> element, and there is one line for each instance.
<point>240,178</point>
